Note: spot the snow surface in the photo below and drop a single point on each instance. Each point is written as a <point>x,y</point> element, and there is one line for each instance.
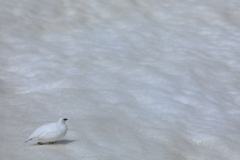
<point>137,79</point>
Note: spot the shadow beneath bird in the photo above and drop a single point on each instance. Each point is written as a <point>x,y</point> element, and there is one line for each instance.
<point>65,141</point>
<point>60,142</point>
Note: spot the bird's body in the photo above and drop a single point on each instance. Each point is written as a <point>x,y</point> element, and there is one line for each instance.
<point>50,132</point>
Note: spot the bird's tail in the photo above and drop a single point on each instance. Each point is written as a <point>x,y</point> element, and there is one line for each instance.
<point>29,139</point>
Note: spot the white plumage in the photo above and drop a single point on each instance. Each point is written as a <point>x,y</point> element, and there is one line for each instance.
<point>50,132</point>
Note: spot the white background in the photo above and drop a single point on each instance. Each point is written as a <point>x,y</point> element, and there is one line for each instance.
<point>137,79</point>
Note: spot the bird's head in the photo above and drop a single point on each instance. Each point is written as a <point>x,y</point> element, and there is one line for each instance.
<point>62,120</point>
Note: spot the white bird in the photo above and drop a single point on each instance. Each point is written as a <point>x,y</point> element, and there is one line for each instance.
<point>50,132</point>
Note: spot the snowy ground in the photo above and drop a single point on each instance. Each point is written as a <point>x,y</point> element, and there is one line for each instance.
<point>137,79</point>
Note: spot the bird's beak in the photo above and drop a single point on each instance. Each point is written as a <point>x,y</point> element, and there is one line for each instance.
<point>65,119</point>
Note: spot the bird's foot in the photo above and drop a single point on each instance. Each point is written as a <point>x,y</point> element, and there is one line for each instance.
<point>52,142</point>
<point>40,143</point>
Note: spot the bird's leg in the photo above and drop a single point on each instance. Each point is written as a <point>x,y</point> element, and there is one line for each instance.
<point>52,142</point>
<point>40,143</point>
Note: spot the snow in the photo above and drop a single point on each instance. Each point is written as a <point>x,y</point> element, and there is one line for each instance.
<point>137,80</point>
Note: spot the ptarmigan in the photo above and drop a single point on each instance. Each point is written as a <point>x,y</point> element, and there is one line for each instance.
<point>50,132</point>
